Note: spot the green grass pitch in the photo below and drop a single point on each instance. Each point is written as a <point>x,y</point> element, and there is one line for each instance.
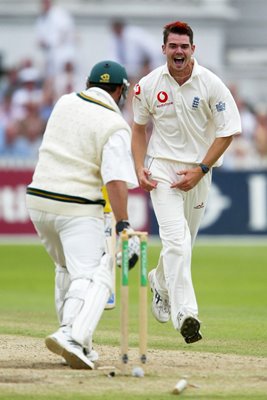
<point>230,284</point>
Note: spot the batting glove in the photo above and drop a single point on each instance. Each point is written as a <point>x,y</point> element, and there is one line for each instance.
<point>133,244</point>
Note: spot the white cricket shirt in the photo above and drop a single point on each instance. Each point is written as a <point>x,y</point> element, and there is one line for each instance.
<point>187,118</point>
<point>117,162</point>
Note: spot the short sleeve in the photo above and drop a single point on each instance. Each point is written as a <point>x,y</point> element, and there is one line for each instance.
<point>117,162</point>
<point>140,107</point>
<point>225,113</point>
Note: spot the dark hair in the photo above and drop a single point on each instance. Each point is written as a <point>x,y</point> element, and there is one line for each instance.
<point>181,28</point>
<point>108,87</point>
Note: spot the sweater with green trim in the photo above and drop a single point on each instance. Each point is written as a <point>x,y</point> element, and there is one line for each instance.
<point>69,164</point>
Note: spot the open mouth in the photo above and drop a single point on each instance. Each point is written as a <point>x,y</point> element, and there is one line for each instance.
<point>179,61</point>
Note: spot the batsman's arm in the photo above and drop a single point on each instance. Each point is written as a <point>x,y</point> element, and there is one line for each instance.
<point>118,197</point>
<point>107,208</point>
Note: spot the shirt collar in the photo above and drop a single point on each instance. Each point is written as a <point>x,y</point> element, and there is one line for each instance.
<point>103,96</point>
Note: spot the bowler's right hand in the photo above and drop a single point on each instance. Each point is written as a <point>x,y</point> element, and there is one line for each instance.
<point>145,181</point>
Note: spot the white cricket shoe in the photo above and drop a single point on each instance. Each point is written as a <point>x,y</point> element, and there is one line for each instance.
<point>62,344</point>
<point>160,307</point>
<point>189,328</point>
<point>89,352</point>
<point>92,355</point>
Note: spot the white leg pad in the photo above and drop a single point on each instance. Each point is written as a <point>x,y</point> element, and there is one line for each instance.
<point>62,285</point>
<point>75,299</point>
<point>96,297</point>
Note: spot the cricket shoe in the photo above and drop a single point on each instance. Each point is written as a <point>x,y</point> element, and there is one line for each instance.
<point>160,307</point>
<point>189,328</point>
<point>89,351</point>
<point>62,344</point>
<point>92,355</point>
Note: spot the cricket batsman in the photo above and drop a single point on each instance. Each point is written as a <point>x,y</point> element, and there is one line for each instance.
<point>85,137</point>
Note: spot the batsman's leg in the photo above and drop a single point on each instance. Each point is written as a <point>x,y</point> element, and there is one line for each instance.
<point>62,284</point>
<point>92,307</point>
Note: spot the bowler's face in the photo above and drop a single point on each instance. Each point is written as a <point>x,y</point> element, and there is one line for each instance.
<point>178,51</point>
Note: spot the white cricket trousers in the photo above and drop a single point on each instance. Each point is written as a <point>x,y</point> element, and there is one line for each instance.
<point>179,216</point>
<point>77,243</point>
<point>83,286</point>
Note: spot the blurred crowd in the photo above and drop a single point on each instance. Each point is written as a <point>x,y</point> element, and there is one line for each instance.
<point>248,150</point>
<point>28,93</point>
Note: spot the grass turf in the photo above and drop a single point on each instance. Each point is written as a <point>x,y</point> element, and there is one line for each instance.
<point>230,283</point>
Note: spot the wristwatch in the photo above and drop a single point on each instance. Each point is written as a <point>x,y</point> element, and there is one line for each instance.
<point>204,167</point>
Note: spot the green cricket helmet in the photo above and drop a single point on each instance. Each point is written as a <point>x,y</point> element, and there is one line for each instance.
<point>109,72</point>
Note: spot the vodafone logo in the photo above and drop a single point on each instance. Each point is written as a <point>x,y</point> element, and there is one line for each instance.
<point>162,97</point>
<point>137,89</point>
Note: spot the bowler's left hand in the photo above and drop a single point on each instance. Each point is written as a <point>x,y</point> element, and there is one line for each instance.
<point>189,178</point>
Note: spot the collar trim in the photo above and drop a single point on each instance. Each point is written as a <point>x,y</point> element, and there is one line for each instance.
<point>94,101</point>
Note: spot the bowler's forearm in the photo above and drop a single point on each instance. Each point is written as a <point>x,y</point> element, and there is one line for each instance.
<point>139,145</point>
<point>216,150</point>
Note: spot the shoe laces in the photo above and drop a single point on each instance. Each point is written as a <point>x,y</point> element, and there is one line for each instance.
<point>157,297</point>
<point>73,343</point>
<point>162,303</point>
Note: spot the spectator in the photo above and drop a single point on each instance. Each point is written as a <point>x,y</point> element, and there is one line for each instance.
<point>261,134</point>
<point>8,113</point>
<point>22,118</point>
<point>133,47</point>
<point>9,81</point>
<point>243,153</point>
<point>56,36</point>
<point>247,115</point>
<point>137,50</point>
<point>28,91</point>
<point>49,98</point>
<point>12,145</point>
<point>67,81</point>
<point>31,128</point>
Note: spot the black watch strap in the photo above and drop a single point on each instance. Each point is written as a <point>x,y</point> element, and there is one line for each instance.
<point>204,167</point>
<point>121,225</point>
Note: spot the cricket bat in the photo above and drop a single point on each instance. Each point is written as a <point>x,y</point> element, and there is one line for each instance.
<point>110,233</point>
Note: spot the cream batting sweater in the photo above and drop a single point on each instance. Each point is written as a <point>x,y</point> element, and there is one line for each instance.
<point>67,174</point>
